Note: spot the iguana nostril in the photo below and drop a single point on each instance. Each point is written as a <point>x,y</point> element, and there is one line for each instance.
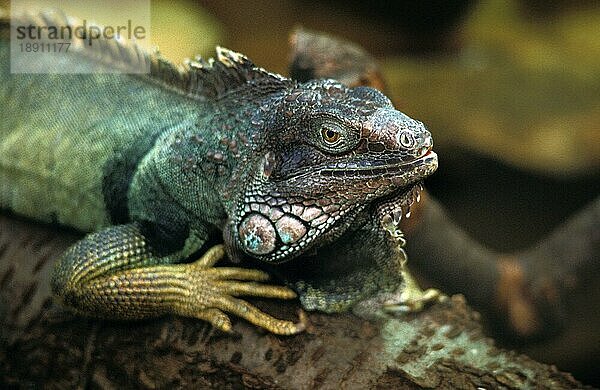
<point>406,139</point>
<point>268,164</point>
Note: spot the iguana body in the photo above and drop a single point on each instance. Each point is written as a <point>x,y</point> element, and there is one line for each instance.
<point>158,165</point>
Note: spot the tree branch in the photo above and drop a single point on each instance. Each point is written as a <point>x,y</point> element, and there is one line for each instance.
<point>41,344</point>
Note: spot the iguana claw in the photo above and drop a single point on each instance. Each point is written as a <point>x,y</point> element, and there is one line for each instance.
<point>213,290</point>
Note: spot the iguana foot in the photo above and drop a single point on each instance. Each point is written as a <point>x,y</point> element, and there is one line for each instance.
<point>212,292</point>
<point>115,274</point>
<point>412,298</point>
<point>407,298</point>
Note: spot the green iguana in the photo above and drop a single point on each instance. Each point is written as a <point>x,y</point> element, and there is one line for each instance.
<point>161,166</point>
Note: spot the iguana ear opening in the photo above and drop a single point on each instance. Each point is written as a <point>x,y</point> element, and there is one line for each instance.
<point>268,165</point>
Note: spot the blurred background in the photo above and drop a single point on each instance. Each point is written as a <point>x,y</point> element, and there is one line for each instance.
<point>509,89</point>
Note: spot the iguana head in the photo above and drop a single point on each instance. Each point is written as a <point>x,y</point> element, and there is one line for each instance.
<point>292,165</point>
<point>322,154</point>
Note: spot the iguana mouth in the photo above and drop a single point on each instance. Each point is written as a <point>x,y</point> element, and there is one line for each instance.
<point>410,184</point>
<point>372,170</point>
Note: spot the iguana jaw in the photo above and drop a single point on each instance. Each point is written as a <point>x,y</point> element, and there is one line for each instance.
<point>277,229</point>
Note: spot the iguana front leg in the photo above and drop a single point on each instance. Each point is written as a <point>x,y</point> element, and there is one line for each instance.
<point>365,270</point>
<point>359,265</point>
<point>117,274</point>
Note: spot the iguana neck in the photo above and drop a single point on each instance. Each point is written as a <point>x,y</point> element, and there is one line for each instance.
<point>201,163</point>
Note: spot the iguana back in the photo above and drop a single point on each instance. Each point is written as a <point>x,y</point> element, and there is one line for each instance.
<point>68,142</point>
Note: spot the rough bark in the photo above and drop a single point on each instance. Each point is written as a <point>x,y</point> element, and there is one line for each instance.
<point>41,344</point>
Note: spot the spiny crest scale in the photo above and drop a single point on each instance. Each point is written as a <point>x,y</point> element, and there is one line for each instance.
<point>229,72</point>
<point>198,78</point>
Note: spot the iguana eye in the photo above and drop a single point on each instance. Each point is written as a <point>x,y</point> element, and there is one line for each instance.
<point>330,136</point>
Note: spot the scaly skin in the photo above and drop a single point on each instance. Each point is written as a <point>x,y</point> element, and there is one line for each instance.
<point>158,165</point>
